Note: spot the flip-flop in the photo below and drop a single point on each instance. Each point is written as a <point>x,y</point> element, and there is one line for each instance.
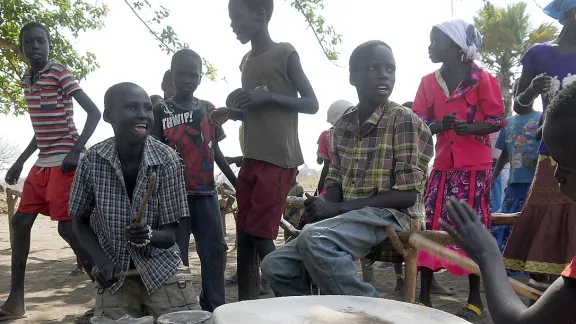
<point>76,272</point>
<point>7,316</point>
<point>470,313</point>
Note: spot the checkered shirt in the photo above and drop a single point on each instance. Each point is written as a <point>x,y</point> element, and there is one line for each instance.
<point>390,150</point>
<point>99,194</point>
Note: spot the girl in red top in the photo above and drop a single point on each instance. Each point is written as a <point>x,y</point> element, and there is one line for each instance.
<point>462,104</point>
<point>556,304</point>
<point>325,152</point>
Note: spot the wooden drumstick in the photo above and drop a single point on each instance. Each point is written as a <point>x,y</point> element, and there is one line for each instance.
<point>289,228</point>
<point>144,201</point>
<point>123,274</point>
<point>420,242</point>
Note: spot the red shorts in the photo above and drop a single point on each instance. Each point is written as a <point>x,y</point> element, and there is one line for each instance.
<point>47,191</point>
<point>261,192</point>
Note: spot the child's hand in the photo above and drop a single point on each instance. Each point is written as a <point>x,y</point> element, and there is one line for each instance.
<point>231,96</point>
<point>461,127</point>
<point>70,162</point>
<point>245,99</point>
<point>470,234</point>
<point>219,116</point>
<point>106,276</point>
<point>13,174</point>
<point>317,209</point>
<point>541,83</point>
<point>448,121</point>
<point>139,233</point>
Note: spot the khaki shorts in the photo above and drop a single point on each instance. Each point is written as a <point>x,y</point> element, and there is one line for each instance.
<point>132,299</point>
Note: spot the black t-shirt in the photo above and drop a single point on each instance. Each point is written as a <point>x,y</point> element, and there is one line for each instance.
<point>188,131</point>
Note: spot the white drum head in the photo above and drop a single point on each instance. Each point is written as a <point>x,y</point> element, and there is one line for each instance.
<point>330,310</point>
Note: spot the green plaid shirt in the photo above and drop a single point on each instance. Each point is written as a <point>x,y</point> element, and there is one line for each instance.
<point>391,150</point>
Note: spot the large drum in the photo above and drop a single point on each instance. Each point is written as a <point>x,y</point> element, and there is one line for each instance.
<point>125,320</point>
<point>330,310</point>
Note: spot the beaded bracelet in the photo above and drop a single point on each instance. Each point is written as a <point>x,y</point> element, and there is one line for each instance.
<point>146,242</point>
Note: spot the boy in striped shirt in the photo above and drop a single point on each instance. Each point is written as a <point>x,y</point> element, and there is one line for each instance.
<point>49,88</point>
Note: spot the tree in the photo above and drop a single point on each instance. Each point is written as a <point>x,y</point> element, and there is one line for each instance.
<point>60,17</point>
<point>169,41</point>
<point>73,16</point>
<point>9,152</point>
<point>508,33</point>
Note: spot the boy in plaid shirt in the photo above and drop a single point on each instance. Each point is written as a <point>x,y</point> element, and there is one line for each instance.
<point>109,185</point>
<point>381,153</point>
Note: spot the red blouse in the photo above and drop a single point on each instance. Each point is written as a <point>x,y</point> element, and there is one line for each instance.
<point>477,100</point>
<point>570,271</point>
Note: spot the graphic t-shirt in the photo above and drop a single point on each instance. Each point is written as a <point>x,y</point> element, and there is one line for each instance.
<point>518,139</point>
<point>187,130</point>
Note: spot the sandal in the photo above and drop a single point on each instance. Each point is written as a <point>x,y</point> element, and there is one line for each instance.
<point>470,313</point>
<point>7,316</point>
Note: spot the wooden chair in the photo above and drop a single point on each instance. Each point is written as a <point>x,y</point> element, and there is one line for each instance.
<point>396,247</point>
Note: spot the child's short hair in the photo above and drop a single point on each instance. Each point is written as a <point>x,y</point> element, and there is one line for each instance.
<point>355,57</point>
<point>255,5</point>
<point>563,106</point>
<point>113,92</point>
<point>408,104</point>
<point>34,25</point>
<point>186,53</point>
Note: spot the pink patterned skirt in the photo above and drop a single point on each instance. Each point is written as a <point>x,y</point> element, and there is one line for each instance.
<point>472,186</point>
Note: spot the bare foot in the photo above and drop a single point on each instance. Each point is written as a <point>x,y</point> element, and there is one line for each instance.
<point>12,310</point>
<point>436,289</point>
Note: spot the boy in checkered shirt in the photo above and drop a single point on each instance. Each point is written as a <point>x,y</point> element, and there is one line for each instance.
<point>108,188</point>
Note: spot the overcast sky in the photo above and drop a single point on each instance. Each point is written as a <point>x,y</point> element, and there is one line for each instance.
<point>127,52</point>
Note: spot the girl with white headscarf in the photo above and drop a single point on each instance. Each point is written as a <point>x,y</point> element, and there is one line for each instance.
<point>462,104</point>
<point>325,152</point>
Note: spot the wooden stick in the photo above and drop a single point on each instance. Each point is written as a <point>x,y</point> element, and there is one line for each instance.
<point>128,273</point>
<point>144,201</point>
<point>438,250</point>
<point>289,228</point>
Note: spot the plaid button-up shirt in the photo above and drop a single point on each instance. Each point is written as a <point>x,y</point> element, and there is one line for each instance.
<point>99,194</point>
<point>390,150</point>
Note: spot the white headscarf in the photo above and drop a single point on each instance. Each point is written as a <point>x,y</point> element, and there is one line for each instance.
<point>464,35</point>
<point>337,110</point>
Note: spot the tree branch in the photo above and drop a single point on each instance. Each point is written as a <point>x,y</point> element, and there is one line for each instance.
<point>301,9</point>
<point>13,47</point>
<point>148,27</point>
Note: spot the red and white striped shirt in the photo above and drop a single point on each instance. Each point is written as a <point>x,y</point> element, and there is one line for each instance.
<point>49,102</point>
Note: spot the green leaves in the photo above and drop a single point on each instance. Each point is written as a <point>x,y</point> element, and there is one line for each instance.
<point>57,16</point>
<point>75,16</point>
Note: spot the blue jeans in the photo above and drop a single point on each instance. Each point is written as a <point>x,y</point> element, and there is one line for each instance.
<point>327,250</point>
<point>205,223</point>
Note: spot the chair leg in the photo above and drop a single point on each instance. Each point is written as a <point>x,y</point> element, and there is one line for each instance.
<point>367,273</point>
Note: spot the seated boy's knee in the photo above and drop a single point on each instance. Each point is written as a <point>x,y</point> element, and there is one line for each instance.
<point>22,221</point>
<point>307,238</point>
<point>268,266</point>
<point>65,229</point>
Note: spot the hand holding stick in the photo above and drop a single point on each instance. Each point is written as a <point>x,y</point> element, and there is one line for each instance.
<point>438,250</point>
<point>144,201</point>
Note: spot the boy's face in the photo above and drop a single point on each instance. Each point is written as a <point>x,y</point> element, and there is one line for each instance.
<point>244,22</point>
<point>375,75</point>
<point>563,151</point>
<point>35,45</point>
<point>168,88</point>
<point>131,115</point>
<point>186,74</point>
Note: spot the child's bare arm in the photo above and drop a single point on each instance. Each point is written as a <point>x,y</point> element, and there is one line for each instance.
<point>502,160</point>
<point>30,149</point>
<point>307,103</point>
<point>91,121</point>
<point>223,165</point>
<point>164,238</point>
<point>323,175</point>
<point>555,306</point>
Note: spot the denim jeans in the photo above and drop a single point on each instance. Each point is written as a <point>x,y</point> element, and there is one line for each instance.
<point>327,250</point>
<point>205,223</point>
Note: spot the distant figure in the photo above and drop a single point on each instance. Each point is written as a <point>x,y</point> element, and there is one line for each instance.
<point>325,150</point>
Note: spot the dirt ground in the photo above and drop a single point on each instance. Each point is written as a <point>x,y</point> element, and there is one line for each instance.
<point>53,296</point>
